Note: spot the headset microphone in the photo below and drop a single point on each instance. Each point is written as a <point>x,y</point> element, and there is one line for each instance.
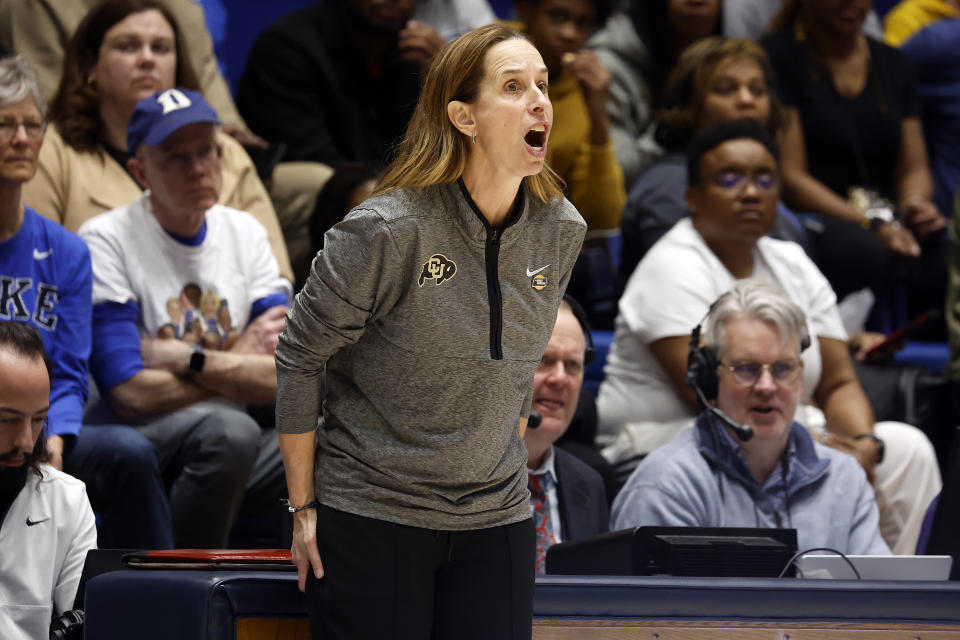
<point>534,420</point>
<point>702,363</point>
<point>743,431</point>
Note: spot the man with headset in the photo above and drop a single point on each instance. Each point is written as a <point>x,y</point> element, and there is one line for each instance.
<point>566,495</point>
<point>746,462</point>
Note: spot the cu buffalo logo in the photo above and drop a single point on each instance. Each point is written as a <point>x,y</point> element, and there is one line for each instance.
<point>438,268</point>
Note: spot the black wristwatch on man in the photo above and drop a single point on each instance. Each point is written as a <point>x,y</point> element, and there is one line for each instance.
<point>195,362</point>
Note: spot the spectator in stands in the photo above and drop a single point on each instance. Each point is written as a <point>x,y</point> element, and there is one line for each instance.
<point>176,264</point>
<point>334,83</point>
<point>908,17</point>
<point>40,32</point>
<point>640,47</point>
<point>46,524</point>
<point>124,50</point>
<point>567,497</point>
<point>853,137</point>
<point>45,280</point>
<point>420,485</point>
<point>751,19</point>
<point>953,294</point>
<point>581,150</point>
<point>644,401</point>
<point>934,51</point>
<point>353,183</point>
<point>715,79</point>
<point>451,18</point>
<point>710,476</point>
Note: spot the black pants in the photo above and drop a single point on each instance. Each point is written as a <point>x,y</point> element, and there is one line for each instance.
<point>387,581</point>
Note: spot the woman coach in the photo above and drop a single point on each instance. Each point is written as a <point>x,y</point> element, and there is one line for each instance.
<point>429,308</point>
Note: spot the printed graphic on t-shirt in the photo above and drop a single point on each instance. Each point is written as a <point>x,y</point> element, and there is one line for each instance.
<point>197,316</point>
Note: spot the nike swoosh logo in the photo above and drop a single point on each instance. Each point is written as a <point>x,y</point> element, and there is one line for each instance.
<point>30,522</point>
<point>531,273</point>
<point>40,255</point>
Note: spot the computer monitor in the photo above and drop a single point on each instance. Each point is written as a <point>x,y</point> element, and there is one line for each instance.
<point>678,551</point>
<point>945,530</point>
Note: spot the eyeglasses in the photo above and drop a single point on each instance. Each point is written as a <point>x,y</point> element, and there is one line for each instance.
<point>747,373</point>
<point>183,162</point>
<point>9,129</point>
<point>735,182</point>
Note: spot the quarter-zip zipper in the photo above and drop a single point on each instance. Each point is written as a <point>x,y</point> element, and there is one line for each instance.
<point>494,295</point>
<point>491,258</point>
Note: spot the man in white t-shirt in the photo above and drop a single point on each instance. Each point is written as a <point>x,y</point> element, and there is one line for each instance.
<point>188,306</point>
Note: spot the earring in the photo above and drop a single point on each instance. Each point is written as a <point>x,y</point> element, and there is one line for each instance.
<point>89,79</point>
<point>474,137</point>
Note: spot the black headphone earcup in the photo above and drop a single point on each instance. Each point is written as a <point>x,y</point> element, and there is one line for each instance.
<point>590,354</point>
<point>702,369</point>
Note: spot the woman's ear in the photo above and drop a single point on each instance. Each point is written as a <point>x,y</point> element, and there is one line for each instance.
<point>461,115</point>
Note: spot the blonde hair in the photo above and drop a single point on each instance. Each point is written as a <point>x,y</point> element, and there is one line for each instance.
<point>433,151</point>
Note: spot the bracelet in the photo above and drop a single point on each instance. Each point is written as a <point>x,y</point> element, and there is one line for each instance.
<point>313,504</point>
<point>881,448</point>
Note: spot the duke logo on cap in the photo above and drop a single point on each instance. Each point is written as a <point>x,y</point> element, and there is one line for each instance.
<point>156,117</point>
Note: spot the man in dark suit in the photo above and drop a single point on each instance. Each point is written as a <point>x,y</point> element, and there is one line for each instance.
<point>567,496</point>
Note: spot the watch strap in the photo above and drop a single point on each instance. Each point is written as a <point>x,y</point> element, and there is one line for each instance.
<point>881,447</point>
<point>195,362</point>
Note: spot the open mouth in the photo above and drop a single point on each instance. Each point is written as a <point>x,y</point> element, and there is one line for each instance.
<point>537,136</point>
<point>547,403</point>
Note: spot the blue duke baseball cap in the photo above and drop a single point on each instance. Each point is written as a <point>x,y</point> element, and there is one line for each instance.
<point>156,117</point>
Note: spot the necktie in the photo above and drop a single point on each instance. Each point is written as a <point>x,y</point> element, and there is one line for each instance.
<point>539,485</point>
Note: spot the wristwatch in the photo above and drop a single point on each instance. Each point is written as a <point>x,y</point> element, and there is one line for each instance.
<point>876,209</point>
<point>881,448</point>
<point>877,216</point>
<point>195,363</point>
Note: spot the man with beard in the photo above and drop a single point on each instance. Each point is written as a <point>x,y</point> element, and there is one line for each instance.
<point>46,524</point>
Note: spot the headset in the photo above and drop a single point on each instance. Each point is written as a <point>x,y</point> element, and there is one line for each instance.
<point>702,364</point>
<point>590,353</point>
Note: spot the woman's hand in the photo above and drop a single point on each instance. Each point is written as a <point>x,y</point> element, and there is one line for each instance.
<point>897,238</point>
<point>864,450</point>
<point>420,43</point>
<point>594,79</point>
<point>861,343</point>
<point>303,550</point>
<point>923,217</point>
